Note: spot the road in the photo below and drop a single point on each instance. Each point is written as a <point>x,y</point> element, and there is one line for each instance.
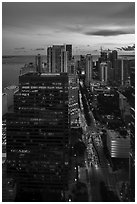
<point>98,170</point>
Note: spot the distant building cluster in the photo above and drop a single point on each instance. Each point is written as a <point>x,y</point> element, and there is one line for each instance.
<point>54,102</point>
<point>109,69</point>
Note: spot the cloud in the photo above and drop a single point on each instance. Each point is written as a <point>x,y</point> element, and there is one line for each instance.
<point>54,22</point>
<point>106,32</point>
<point>127,12</point>
<point>74,28</point>
<point>19,48</point>
<point>42,34</point>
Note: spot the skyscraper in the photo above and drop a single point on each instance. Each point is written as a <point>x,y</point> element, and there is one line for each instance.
<point>122,71</point>
<point>103,72</point>
<point>73,99</point>
<point>49,59</point>
<point>38,63</point>
<point>64,61</point>
<point>69,49</point>
<point>103,56</point>
<point>89,67</point>
<point>58,58</point>
<point>38,133</point>
<point>114,57</point>
<point>132,72</point>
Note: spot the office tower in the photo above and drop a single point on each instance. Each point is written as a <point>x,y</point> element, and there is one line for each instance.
<point>122,71</point>
<point>132,154</point>
<point>64,61</point>
<point>103,56</point>
<point>103,72</point>
<point>89,67</point>
<point>38,63</point>
<point>82,64</point>
<point>132,72</point>
<point>38,134</point>
<point>49,59</point>
<point>117,71</point>
<point>110,72</point>
<point>72,67</point>
<point>59,58</point>
<point>73,100</point>
<point>69,49</point>
<point>56,58</point>
<point>124,108</point>
<point>112,56</point>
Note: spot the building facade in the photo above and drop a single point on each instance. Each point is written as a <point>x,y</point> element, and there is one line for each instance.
<point>89,69</point>
<point>104,72</point>
<point>59,58</point>
<point>38,133</point>
<point>118,145</point>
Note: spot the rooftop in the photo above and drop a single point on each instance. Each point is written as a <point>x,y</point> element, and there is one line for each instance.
<point>116,135</point>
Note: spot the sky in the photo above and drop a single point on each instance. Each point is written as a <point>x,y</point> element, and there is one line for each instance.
<point>30,27</point>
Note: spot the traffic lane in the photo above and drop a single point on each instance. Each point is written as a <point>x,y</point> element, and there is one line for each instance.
<point>108,178</point>
<point>95,179</point>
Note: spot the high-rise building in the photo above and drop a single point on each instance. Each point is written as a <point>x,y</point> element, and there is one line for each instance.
<point>38,63</point>
<point>73,100</point>
<point>58,58</point>
<point>38,133</point>
<point>89,67</point>
<point>103,72</point>
<point>49,59</point>
<point>103,56</point>
<point>132,72</point>
<point>122,71</point>
<point>112,56</point>
<point>69,49</point>
<point>64,61</point>
<point>110,72</point>
<point>132,154</point>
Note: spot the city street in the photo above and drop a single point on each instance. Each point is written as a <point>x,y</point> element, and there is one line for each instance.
<point>99,169</point>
